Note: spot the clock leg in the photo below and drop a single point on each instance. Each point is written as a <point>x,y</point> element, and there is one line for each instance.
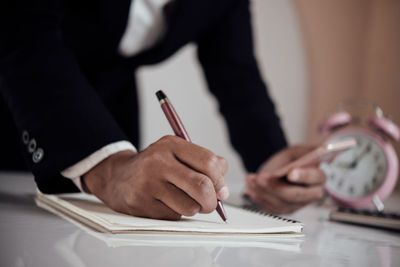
<point>378,203</point>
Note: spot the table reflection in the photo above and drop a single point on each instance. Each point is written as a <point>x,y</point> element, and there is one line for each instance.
<point>30,236</point>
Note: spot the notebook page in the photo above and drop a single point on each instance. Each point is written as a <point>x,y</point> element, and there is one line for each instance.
<point>285,241</point>
<point>239,220</point>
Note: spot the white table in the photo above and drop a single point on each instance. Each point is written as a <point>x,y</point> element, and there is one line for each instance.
<point>30,236</point>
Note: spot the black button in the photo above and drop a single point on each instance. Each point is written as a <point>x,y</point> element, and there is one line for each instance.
<point>32,146</point>
<point>25,137</point>
<point>38,155</point>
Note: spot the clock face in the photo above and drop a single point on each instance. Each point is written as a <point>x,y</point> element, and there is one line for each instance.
<point>356,172</point>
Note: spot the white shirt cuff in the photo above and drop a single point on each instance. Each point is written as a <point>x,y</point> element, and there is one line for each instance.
<point>77,170</point>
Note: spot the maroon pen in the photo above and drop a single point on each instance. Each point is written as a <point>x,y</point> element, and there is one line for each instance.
<point>179,130</point>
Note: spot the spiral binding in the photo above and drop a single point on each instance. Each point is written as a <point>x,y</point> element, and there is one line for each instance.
<point>253,207</point>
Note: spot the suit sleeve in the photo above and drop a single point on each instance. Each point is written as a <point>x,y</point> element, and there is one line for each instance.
<point>227,56</point>
<point>60,117</point>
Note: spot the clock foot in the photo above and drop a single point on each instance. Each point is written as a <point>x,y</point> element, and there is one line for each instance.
<point>378,203</point>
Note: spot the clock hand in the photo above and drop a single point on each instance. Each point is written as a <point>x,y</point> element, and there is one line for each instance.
<point>354,163</point>
<point>344,165</point>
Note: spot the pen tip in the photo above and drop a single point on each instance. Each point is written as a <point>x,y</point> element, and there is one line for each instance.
<point>221,211</point>
<point>160,95</point>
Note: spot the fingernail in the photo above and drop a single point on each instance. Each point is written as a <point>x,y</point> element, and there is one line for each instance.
<point>223,193</point>
<point>295,175</point>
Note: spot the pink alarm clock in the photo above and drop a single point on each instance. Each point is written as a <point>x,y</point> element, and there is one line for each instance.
<point>365,175</point>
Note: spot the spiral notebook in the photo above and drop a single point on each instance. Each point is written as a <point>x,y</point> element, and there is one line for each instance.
<point>91,212</point>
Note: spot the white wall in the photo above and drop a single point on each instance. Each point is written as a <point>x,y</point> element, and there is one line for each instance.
<point>280,55</point>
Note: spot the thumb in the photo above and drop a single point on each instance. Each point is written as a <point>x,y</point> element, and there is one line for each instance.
<point>261,179</point>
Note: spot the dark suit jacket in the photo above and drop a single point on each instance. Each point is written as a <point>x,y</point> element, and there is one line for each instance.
<point>64,85</point>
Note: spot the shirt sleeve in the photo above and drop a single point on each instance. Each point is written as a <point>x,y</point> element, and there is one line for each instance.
<point>76,171</point>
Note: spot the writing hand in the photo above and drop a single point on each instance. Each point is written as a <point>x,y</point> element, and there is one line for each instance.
<point>170,178</point>
<point>280,196</point>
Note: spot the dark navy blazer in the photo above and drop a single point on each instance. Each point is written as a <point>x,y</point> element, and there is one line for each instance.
<point>66,92</point>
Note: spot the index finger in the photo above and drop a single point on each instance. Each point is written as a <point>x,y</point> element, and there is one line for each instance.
<point>308,159</point>
<point>307,176</point>
<point>205,162</point>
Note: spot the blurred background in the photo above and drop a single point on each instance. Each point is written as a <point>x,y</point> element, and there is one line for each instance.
<point>312,54</point>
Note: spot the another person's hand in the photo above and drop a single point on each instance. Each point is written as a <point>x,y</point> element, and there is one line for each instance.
<point>282,195</point>
<point>170,178</point>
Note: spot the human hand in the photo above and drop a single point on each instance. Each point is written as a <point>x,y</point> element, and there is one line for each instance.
<point>170,178</point>
<point>275,194</point>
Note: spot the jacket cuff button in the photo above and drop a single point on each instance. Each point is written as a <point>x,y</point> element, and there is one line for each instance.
<point>32,146</point>
<point>37,156</point>
<point>25,137</point>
